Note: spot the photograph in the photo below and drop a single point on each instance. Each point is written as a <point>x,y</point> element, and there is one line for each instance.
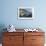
<point>25,13</point>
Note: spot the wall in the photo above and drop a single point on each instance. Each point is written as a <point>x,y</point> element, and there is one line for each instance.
<point>9,13</point>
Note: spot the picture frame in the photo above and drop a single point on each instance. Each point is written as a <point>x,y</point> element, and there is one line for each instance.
<point>25,13</point>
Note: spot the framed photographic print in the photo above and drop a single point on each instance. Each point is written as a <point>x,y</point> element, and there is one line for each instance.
<point>25,13</point>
